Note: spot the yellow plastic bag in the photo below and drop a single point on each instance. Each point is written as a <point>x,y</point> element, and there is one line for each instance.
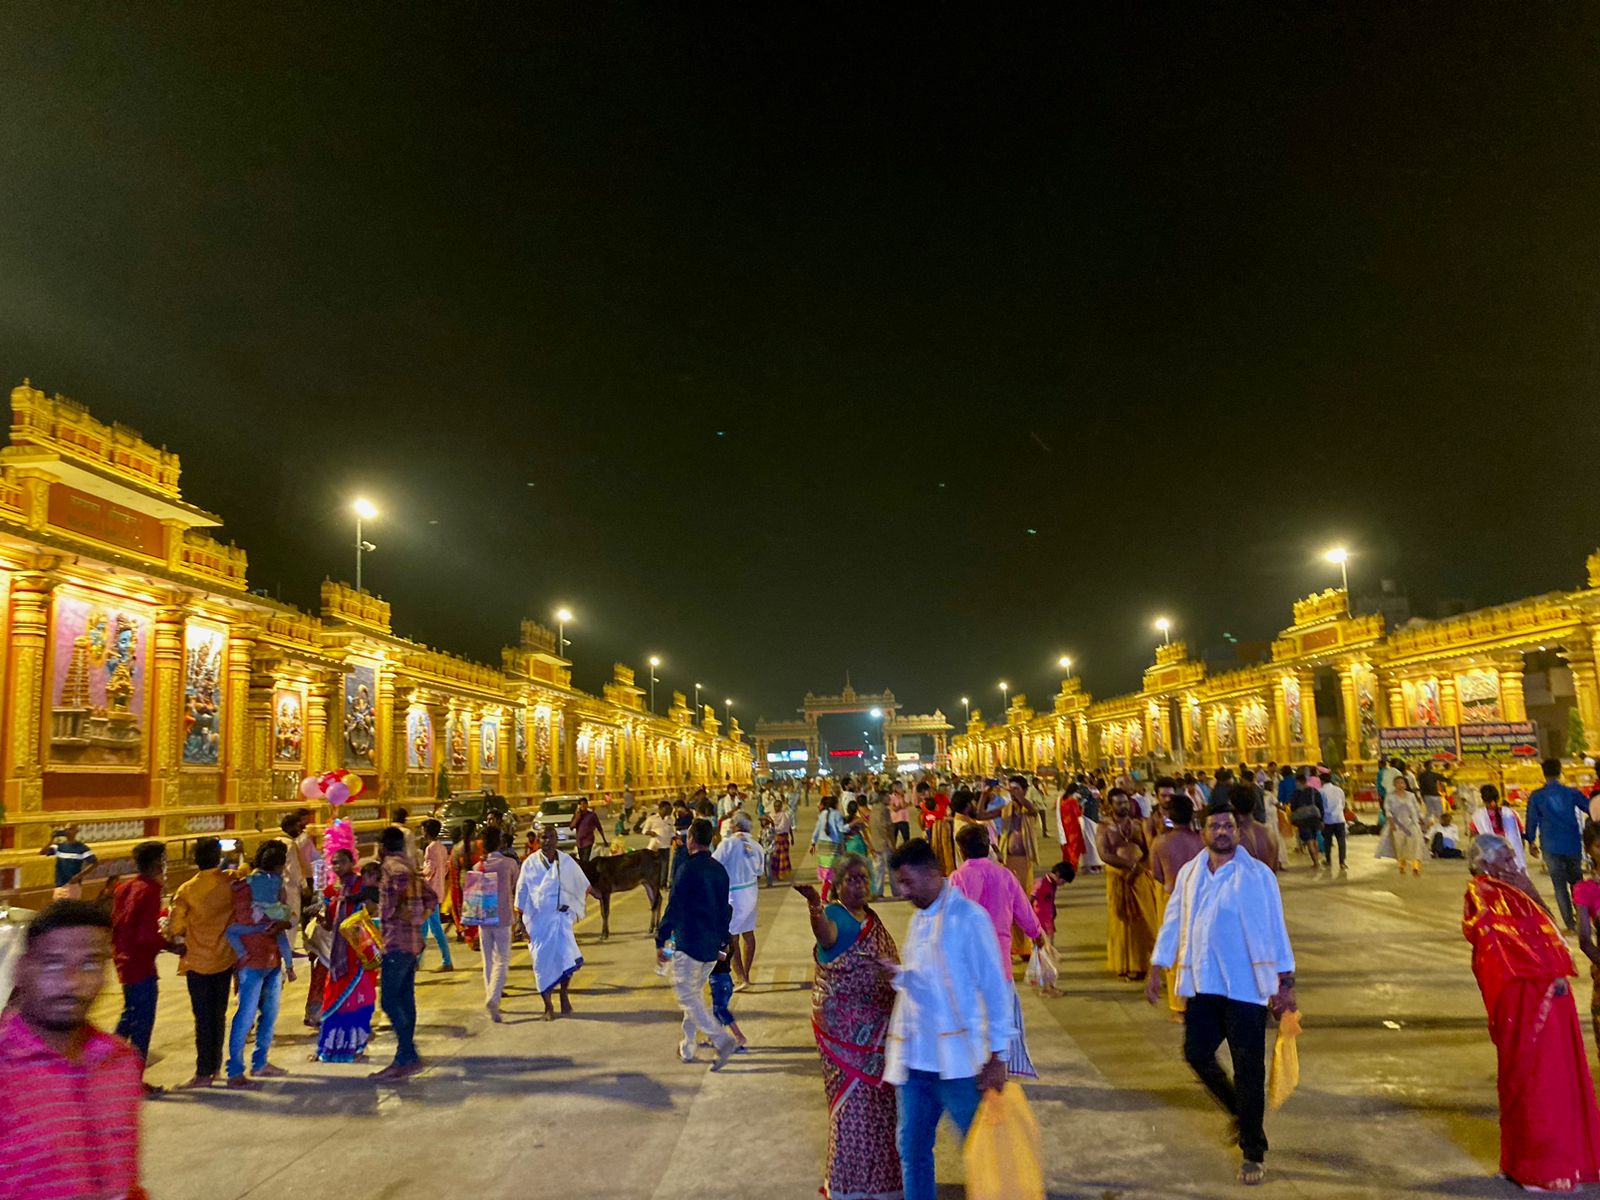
<point>1002,1152</point>
<point>1285,1075</point>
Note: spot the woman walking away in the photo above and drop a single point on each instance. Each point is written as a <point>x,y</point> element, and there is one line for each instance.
<point>851,1001</point>
<point>825,839</point>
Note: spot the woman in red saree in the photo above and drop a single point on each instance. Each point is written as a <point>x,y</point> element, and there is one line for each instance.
<point>1549,1125</point>
<point>467,854</point>
<point>1070,814</point>
<point>851,1000</point>
<point>351,992</point>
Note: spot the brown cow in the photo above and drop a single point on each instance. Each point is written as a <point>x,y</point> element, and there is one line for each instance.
<point>612,873</point>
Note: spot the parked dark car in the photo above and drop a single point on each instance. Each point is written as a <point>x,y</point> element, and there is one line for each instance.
<point>473,806</point>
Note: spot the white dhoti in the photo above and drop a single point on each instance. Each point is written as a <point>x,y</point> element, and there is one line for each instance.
<point>552,898</point>
<point>743,901</point>
<point>1091,853</point>
<point>742,857</point>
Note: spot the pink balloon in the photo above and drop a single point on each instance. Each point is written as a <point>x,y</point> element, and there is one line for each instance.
<point>311,788</point>
<point>337,794</point>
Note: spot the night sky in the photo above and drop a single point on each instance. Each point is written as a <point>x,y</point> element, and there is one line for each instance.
<point>780,343</point>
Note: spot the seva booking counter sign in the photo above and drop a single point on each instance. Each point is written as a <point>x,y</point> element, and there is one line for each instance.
<point>1420,742</point>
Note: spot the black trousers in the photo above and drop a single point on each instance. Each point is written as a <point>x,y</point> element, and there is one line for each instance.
<point>208,996</point>
<point>900,833</point>
<point>1207,1023</point>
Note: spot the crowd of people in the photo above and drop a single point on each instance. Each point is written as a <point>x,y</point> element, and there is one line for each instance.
<point>907,1033</point>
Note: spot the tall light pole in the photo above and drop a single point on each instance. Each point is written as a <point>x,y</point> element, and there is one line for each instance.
<point>655,662</point>
<point>967,704</point>
<point>365,510</point>
<point>1005,691</point>
<point>1065,663</point>
<point>728,705</point>
<point>1165,626</point>
<point>563,615</point>
<point>1341,556</point>
<point>697,701</point>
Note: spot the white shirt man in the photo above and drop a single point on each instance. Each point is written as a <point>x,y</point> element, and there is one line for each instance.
<point>954,1013</point>
<point>659,830</point>
<point>744,860</point>
<point>1225,937</point>
<point>1333,823</point>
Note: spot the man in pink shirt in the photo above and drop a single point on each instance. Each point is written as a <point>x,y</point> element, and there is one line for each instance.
<point>436,873</point>
<point>69,1094</point>
<point>994,889</point>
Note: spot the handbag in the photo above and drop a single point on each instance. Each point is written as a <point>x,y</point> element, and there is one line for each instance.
<point>480,899</point>
<point>1002,1154</point>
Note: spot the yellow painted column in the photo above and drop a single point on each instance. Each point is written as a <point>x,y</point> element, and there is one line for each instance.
<point>316,730</point>
<point>1308,717</point>
<point>1397,703</point>
<point>1449,700</point>
<point>1278,746</point>
<point>1350,712</point>
<point>25,714</point>
<point>1513,700</point>
<point>1587,687</point>
<point>165,680</point>
<point>240,767</point>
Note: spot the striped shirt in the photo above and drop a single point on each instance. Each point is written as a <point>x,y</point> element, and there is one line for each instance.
<point>71,1126</point>
<point>405,903</point>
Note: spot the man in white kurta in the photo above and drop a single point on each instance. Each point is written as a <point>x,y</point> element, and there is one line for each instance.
<point>744,860</point>
<point>1225,937</point>
<point>954,1013</point>
<point>551,895</point>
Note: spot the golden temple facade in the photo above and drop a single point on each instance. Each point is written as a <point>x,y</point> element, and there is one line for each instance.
<point>1337,688</point>
<point>150,694</point>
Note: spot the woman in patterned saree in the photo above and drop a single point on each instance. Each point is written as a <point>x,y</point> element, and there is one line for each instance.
<point>851,1000</point>
<point>351,991</point>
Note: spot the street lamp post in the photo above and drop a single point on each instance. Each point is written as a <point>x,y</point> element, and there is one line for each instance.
<point>1165,626</point>
<point>365,510</point>
<point>563,615</point>
<point>728,705</point>
<point>967,704</point>
<point>697,701</point>
<point>654,663</point>
<point>1342,556</point>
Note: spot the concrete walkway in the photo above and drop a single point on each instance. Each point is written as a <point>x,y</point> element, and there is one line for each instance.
<point>1397,1093</point>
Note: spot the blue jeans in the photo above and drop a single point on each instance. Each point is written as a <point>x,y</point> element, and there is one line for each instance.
<point>397,992</point>
<point>922,1100</point>
<point>436,927</point>
<point>138,1018</point>
<point>1565,871</point>
<point>259,989</point>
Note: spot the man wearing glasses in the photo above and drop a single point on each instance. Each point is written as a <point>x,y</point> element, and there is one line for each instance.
<point>1225,937</point>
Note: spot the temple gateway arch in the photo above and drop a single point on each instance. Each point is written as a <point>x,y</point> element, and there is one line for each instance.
<point>848,700</point>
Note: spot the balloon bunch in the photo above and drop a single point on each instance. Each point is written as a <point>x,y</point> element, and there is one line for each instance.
<point>336,787</point>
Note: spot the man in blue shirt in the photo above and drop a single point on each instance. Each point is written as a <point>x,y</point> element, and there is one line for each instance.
<point>1554,811</point>
<point>73,858</point>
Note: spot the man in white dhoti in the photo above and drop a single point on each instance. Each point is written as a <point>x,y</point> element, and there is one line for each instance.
<point>551,895</point>
<point>744,860</point>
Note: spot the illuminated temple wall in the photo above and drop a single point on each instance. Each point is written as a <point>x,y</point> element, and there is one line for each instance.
<point>1333,681</point>
<point>149,694</point>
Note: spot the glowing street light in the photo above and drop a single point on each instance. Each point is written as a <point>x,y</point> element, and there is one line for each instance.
<point>563,615</point>
<point>1005,696</point>
<point>728,704</point>
<point>967,704</point>
<point>697,699</point>
<point>365,510</point>
<point>1065,662</point>
<point>655,662</point>
<point>875,713</point>
<point>1165,626</point>
<point>1341,556</point>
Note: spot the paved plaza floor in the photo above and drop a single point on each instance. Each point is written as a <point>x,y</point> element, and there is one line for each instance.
<point>1397,1095</point>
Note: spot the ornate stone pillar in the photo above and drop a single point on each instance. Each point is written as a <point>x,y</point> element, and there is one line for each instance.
<point>25,713</point>
<point>316,730</point>
<point>1278,746</point>
<point>1514,702</point>
<point>569,748</point>
<point>393,734</point>
<point>166,681</point>
<point>243,772</point>
<point>1397,702</point>
<point>1586,685</point>
<point>256,788</point>
<point>1350,712</point>
<point>507,733</point>
<point>1308,716</point>
<point>391,773</point>
<point>1449,702</point>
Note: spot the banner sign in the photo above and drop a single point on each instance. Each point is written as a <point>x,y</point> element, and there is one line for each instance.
<point>1500,739</point>
<point>1419,741</point>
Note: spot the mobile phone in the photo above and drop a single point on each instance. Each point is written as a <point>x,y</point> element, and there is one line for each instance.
<point>228,844</point>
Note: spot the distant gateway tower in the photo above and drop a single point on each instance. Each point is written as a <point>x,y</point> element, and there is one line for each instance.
<point>848,700</point>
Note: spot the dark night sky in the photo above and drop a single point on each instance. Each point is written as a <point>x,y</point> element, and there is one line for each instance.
<point>1191,294</point>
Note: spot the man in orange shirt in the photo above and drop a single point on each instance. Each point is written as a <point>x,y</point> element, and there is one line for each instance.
<point>202,910</point>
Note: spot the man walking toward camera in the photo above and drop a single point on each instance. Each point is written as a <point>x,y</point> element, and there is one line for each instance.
<point>1225,938</point>
<point>696,920</point>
